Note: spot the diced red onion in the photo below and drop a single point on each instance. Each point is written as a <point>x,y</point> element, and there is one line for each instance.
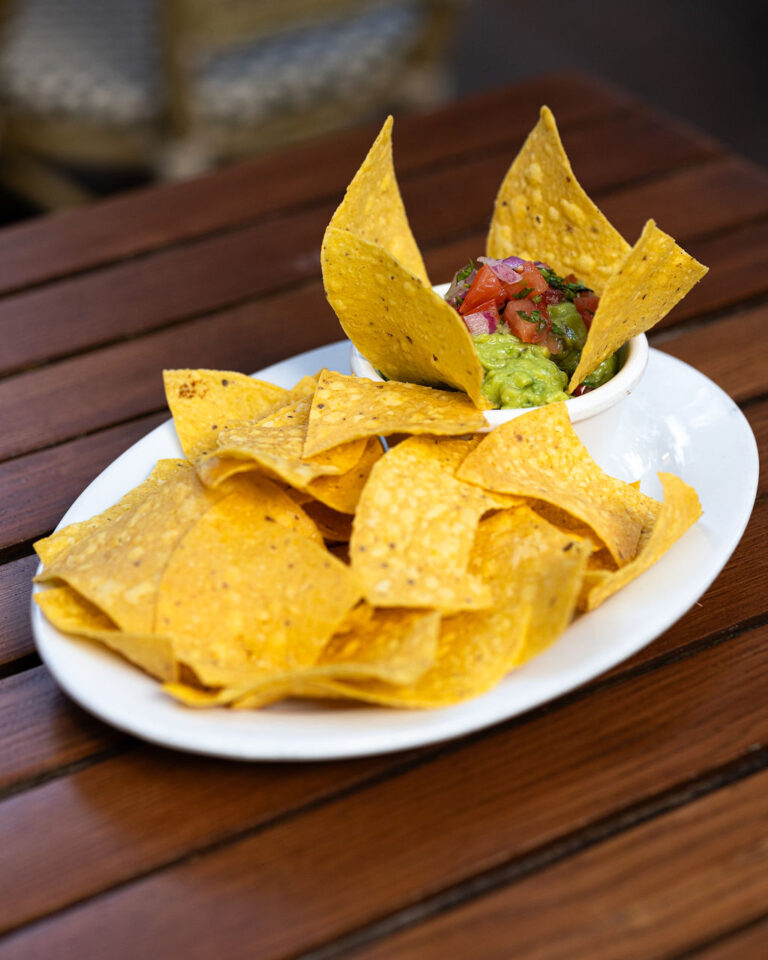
<point>459,289</point>
<point>504,269</point>
<point>484,321</point>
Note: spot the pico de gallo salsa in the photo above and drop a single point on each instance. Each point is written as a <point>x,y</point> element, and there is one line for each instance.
<point>529,326</point>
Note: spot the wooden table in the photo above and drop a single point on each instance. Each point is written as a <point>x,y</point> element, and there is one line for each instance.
<point>628,819</point>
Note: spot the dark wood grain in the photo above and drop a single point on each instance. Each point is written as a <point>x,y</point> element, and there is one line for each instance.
<point>478,806</point>
<point>42,729</point>
<point>654,891</point>
<point>15,590</point>
<point>36,490</point>
<point>201,276</point>
<point>145,220</point>
<point>742,945</point>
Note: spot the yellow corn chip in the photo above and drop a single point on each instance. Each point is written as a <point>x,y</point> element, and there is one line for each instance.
<point>242,598</point>
<point>654,276</point>
<point>414,528</point>
<point>304,388</point>
<point>348,408</point>
<point>274,445</point>
<point>204,401</point>
<point>118,565</point>
<point>49,548</point>
<point>543,213</point>
<point>373,209</point>
<point>406,330</point>
<point>395,646</point>
<point>71,613</point>
<point>680,510</point>
<point>343,492</point>
<point>539,455</point>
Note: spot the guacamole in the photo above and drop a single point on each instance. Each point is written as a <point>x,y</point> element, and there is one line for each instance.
<point>529,327</point>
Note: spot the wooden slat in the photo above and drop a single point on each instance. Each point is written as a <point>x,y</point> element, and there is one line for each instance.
<point>211,273</point>
<point>490,801</point>
<point>15,588</point>
<point>758,420</point>
<point>718,351</point>
<point>144,220</point>
<point>42,729</point>
<point>650,893</point>
<point>37,489</point>
<point>752,942</point>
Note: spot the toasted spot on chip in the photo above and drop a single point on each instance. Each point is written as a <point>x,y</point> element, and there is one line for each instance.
<point>69,612</point>
<point>539,455</point>
<point>578,238</point>
<point>396,320</point>
<point>245,597</point>
<point>413,530</point>
<point>373,209</point>
<point>275,445</point>
<point>202,402</point>
<point>654,276</point>
<point>680,510</point>
<point>348,408</point>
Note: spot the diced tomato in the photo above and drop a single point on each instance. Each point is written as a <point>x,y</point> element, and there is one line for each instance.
<point>526,330</point>
<point>531,278</point>
<point>485,287</point>
<point>551,296</point>
<point>586,304</point>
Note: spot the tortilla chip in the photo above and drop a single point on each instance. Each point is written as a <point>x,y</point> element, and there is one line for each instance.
<point>72,613</point>
<point>332,525</point>
<point>679,511</point>
<point>49,548</point>
<point>118,565</point>
<point>348,408</point>
<point>413,530</point>
<point>304,388</point>
<point>394,646</point>
<point>373,209</point>
<point>274,446</point>
<point>204,401</point>
<point>655,275</point>
<point>343,492</point>
<point>543,213</point>
<point>406,330</point>
<point>528,561</point>
<point>244,597</point>
<point>539,455</point>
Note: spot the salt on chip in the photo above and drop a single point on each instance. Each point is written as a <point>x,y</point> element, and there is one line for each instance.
<point>539,455</point>
<point>118,565</point>
<point>50,548</point>
<point>654,276</point>
<point>396,320</point>
<point>393,646</point>
<point>543,213</point>
<point>72,613</point>
<point>373,209</point>
<point>343,492</point>
<point>241,598</point>
<point>204,401</point>
<point>679,511</point>
<point>414,527</point>
<point>274,445</point>
<point>349,408</point>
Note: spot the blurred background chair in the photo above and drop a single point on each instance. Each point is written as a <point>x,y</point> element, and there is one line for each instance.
<point>96,95</point>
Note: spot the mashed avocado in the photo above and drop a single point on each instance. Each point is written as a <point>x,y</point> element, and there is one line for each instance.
<point>518,374</point>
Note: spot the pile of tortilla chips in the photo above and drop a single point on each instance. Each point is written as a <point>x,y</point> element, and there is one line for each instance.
<point>376,283</point>
<point>290,555</point>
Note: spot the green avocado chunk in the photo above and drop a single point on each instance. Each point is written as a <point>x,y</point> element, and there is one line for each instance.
<point>518,374</point>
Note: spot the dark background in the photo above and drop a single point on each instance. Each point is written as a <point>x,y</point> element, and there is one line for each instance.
<point>703,61</point>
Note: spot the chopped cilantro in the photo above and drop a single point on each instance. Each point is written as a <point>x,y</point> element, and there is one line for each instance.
<point>464,272</point>
<point>521,294</point>
<point>570,290</point>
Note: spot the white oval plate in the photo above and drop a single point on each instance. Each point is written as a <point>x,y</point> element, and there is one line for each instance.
<point>677,420</point>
